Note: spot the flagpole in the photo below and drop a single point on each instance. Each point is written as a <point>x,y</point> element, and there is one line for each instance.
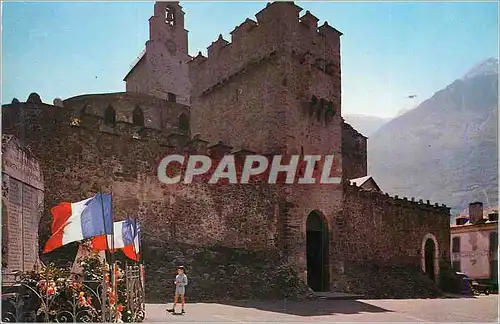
<point>139,237</point>
<point>104,221</point>
<point>112,256</point>
<point>112,232</point>
<point>104,288</point>
<point>135,231</point>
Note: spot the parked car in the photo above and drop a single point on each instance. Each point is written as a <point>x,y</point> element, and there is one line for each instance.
<point>471,286</point>
<point>481,288</point>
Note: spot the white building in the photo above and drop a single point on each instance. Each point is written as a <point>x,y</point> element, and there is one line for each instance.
<point>474,243</point>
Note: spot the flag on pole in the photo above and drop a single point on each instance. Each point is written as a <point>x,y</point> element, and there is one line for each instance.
<point>81,220</point>
<point>126,237</point>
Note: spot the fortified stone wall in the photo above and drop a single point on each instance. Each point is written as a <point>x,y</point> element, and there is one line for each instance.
<point>78,161</point>
<point>275,89</point>
<point>354,153</point>
<point>390,229</point>
<point>383,244</point>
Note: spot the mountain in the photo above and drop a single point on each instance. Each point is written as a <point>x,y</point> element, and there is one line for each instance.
<point>445,150</point>
<point>366,125</point>
<point>486,67</point>
<point>403,111</point>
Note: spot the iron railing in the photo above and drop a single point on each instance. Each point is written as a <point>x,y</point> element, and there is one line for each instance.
<point>62,302</point>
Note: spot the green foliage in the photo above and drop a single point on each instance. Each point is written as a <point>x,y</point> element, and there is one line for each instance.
<point>93,269</point>
<point>252,275</point>
<point>61,295</point>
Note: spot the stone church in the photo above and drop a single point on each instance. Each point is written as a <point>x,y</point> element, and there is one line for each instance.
<point>275,88</point>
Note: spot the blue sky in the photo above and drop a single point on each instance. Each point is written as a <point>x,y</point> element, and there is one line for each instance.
<point>389,50</point>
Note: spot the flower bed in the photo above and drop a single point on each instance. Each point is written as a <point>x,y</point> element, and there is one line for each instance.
<point>55,295</point>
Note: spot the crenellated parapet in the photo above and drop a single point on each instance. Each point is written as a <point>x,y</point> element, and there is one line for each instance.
<point>278,28</point>
<point>29,120</point>
<point>136,108</point>
<point>384,198</point>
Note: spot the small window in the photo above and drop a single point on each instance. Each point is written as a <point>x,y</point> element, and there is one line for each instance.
<point>109,116</point>
<point>138,117</point>
<point>455,245</point>
<point>84,110</point>
<point>456,266</point>
<point>237,93</point>
<point>314,101</point>
<point>170,15</point>
<point>494,270</point>
<point>171,97</point>
<point>183,123</point>
<point>493,241</point>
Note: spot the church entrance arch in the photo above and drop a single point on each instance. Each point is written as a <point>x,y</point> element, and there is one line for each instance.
<point>318,270</point>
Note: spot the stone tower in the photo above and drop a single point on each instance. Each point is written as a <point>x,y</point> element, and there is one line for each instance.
<point>274,87</point>
<point>162,70</point>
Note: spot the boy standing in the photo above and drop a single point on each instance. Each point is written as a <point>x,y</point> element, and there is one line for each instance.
<point>180,282</point>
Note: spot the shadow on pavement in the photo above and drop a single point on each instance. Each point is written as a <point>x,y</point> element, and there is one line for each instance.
<point>457,296</point>
<point>444,296</point>
<point>310,307</point>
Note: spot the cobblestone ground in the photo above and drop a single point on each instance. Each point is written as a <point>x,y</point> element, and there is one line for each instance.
<point>479,309</point>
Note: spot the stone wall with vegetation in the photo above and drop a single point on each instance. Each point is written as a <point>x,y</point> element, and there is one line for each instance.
<point>218,273</point>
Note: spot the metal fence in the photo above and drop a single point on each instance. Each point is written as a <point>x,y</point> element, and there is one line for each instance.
<point>24,302</point>
<point>71,300</point>
<point>134,278</point>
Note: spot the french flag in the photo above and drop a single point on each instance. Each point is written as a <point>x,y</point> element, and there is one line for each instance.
<point>126,237</point>
<point>81,220</point>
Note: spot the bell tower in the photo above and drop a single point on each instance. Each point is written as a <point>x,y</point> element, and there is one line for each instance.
<point>167,25</point>
<point>162,71</point>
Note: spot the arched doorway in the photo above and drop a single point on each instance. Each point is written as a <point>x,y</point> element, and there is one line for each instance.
<point>318,270</point>
<point>430,257</point>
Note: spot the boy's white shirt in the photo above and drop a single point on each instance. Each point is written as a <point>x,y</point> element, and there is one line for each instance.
<point>178,278</point>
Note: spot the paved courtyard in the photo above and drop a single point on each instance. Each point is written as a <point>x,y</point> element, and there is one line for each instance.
<point>479,309</point>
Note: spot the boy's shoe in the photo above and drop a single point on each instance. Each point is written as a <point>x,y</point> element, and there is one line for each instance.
<point>183,312</point>
<point>171,310</point>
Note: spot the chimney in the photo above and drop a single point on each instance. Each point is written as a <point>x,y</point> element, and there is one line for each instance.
<point>493,217</point>
<point>475,211</point>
